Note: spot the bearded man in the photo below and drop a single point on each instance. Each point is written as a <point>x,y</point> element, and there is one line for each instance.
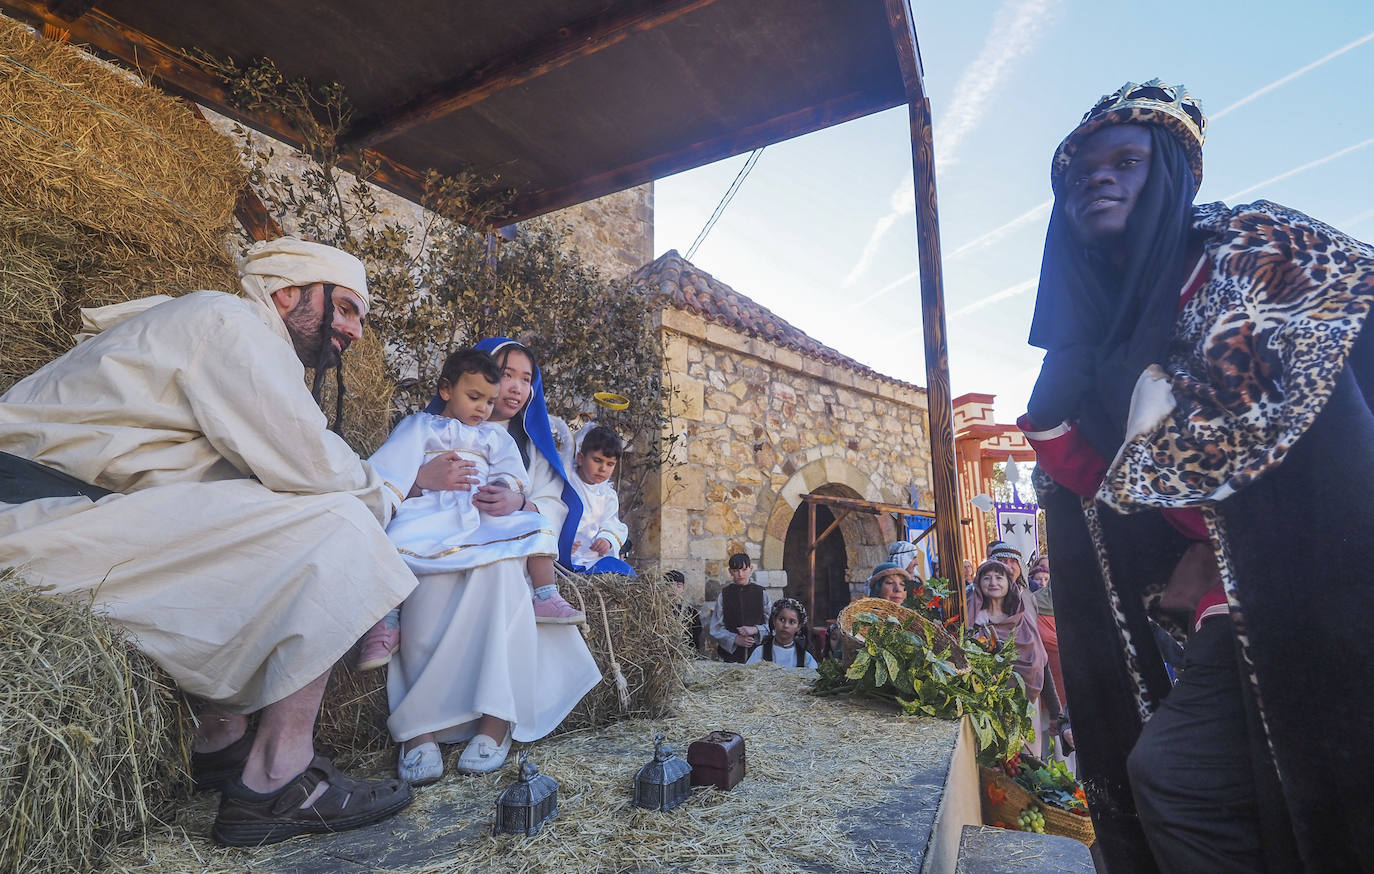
<point>174,468</point>
<point>1205,440</point>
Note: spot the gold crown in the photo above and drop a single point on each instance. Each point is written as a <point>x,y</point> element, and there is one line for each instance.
<point>1152,102</point>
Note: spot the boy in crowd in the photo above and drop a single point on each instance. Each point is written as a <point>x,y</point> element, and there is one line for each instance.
<point>600,534</point>
<point>741,612</point>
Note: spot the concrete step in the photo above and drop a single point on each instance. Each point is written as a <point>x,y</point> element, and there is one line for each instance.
<point>988,850</point>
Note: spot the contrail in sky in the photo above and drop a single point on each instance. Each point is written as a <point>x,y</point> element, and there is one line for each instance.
<point>1277,83</point>
<point>1036,212</point>
<point>1296,170</point>
<point>1010,291</point>
<point>1017,29</point>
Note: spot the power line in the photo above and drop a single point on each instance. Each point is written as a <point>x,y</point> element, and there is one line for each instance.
<point>724,201</point>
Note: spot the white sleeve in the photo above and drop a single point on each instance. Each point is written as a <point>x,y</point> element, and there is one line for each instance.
<point>398,460</point>
<point>810,660</point>
<point>610,526</point>
<point>546,490</point>
<point>503,459</point>
<point>755,657</point>
<point>722,635</point>
<point>247,393</point>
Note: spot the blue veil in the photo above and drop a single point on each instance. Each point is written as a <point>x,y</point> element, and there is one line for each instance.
<point>530,428</point>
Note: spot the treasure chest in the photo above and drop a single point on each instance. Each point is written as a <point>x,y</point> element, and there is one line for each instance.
<point>717,760</point>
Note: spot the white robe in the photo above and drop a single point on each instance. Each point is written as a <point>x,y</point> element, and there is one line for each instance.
<point>600,518</point>
<point>245,551</point>
<point>470,646</point>
<point>444,531</point>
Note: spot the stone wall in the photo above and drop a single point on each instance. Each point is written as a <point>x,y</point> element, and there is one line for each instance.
<point>759,426</point>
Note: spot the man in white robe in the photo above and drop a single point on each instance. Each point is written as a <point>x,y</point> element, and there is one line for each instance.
<point>243,547</point>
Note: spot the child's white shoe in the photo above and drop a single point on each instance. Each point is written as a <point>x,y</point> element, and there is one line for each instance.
<point>422,765</point>
<point>483,754</point>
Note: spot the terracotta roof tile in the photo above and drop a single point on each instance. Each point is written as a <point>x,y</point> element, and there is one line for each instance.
<point>688,288</point>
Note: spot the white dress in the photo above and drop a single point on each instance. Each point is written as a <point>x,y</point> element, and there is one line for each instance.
<point>470,646</point>
<point>600,518</point>
<point>443,530</point>
<point>782,655</point>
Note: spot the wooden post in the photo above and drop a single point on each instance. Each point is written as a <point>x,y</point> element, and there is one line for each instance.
<point>811,558</point>
<point>932,295</point>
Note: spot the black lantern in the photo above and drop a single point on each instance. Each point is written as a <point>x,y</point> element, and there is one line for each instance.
<point>524,806</point>
<point>663,783</point>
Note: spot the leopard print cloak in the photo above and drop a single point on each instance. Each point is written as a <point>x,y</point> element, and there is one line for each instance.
<point>1255,356</point>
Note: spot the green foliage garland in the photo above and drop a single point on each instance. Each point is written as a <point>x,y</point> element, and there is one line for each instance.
<point>904,668</point>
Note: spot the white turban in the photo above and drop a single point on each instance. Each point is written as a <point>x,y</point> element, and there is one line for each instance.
<point>273,264</point>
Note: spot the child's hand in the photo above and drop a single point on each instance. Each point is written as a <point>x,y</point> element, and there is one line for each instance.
<point>445,473</point>
<point>601,546</point>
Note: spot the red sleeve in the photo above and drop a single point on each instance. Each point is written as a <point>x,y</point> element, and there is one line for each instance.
<point>1066,455</point>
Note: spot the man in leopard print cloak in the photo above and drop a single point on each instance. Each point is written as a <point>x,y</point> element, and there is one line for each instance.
<point>1205,441</point>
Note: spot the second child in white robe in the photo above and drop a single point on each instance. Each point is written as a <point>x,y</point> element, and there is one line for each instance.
<point>600,519</point>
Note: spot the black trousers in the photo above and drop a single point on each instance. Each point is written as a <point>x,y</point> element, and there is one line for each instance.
<point>1194,769</point>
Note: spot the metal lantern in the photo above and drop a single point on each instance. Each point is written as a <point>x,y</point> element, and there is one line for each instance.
<point>524,806</point>
<point>663,783</point>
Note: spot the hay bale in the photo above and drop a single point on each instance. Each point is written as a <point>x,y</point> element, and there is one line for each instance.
<point>113,190</point>
<point>645,641</point>
<point>93,742</point>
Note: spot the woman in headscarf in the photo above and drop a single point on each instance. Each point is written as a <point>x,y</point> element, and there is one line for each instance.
<point>1000,609</point>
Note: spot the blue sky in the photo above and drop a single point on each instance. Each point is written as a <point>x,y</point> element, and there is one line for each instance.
<point>823,230</point>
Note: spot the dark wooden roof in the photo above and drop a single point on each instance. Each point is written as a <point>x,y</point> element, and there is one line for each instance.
<point>561,100</point>
<point>677,281</point>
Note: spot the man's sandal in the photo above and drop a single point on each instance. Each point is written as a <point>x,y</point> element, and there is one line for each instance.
<point>247,818</point>
<point>210,771</point>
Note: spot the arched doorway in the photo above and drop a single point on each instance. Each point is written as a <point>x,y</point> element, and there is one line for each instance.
<point>832,585</point>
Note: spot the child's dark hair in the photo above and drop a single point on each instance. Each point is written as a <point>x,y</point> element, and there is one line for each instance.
<point>469,360</point>
<point>740,560</point>
<point>675,577</point>
<point>604,440</point>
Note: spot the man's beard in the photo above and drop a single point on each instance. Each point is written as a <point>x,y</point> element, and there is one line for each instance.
<point>311,336</point>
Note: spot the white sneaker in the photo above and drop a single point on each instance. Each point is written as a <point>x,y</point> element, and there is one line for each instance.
<point>483,755</point>
<point>422,765</point>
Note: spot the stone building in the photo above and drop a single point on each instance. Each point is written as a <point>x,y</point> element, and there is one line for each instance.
<point>764,414</point>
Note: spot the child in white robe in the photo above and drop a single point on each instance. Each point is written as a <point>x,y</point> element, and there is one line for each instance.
<point>600,533</point>
<point>785,643</point>
<point>442,530</point>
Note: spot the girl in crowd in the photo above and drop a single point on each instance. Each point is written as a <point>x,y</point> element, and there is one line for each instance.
<point>1000,609</point>
<point>472,662</point>
<point>785,643</point>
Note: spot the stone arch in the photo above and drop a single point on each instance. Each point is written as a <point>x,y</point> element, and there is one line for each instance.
<point>865,537</point>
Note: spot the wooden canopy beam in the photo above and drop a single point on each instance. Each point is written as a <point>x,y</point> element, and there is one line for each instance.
<point>934,332</point>
<point>530,61</point>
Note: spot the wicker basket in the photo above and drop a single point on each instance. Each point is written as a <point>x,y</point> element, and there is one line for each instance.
<point>851,643</point>
<point>1015,798</point>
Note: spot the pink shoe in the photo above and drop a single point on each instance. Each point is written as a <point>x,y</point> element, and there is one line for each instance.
<point>553,610</point>
<point>378,644</point>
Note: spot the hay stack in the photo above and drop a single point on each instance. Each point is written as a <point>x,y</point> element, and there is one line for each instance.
<point>92,737</point>
<point>112,190</point>
<point>645,643</point>
<point>646,640</point>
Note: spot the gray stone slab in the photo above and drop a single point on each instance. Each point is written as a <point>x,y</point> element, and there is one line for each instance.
<point>988,850</point>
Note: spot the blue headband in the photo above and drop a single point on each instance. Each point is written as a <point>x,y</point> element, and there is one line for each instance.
<point>534,417</point>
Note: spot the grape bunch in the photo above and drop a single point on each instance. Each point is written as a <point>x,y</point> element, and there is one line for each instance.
<point>1031,820</point>
<point>1013,765</point>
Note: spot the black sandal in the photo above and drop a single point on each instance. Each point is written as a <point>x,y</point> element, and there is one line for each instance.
<point>210,771</point>
<point>247,818</point>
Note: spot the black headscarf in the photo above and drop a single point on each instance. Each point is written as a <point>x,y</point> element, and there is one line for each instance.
<point>1102,325</point>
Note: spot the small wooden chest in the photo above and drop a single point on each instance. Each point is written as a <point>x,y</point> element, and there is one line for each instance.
<point>717,760</point>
